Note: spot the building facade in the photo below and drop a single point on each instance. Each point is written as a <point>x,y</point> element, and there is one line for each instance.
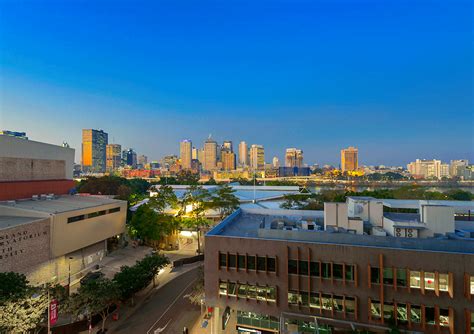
<point>185,153</point>
<point>243,154</point>
<point>349,159</point>
<point>228,160</point>
<point>456,167</point>
<point>114,157</point>
<point>426,169</point>
<point>257,157</point>
<point>293,157</point>
<point>209,162</point>
<point>94,156</point>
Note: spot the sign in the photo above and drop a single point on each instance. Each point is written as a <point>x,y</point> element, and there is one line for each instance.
<point>53,312</point>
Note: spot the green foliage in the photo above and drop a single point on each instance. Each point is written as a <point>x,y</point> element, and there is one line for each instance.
<point>211,182</point>
<point>13,286</point>
<point>165,198</point>
<point>187,177</point>
<point>113,185</point>
<point>149,225</point>
<point>224,200</point>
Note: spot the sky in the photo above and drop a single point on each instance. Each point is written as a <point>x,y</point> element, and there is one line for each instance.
<point>392,77</point>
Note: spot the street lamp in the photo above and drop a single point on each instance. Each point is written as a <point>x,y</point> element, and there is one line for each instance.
<point>69,277</point>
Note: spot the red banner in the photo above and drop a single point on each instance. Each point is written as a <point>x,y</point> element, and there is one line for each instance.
<point>53,312</point>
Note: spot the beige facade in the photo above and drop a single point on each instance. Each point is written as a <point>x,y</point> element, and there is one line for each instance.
<point>185,149</point>
<point>257,157</point>
<point>349,159</point>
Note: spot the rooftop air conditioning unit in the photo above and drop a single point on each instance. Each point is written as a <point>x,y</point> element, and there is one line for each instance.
<point>11,202</point>
<point>34,197</point>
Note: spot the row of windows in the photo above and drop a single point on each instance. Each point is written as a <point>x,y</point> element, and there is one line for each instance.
<point>413,279</point>
<point>92,215</point>
<point>405,313</point>
<point>247,262</point>
<point>322,301</point>
<point>328,270</point>
<point>243,290</point>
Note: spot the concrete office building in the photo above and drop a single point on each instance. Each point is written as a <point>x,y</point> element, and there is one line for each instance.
<point>349,159</point>
<point>210,155</point>
<point>228,160</point>
<point>227,146</point>
<point>94,156</point>
<point>427,169</point>
<point>114,157</point>
<point>257,157</point>
<point>130,158</point>
<point>293,158</point>
<point>456,167</point>
<point>43,230</point>
<point>243,154</point>
<point>185,153</point>
<point>276,162</point>
<point>358,265</point>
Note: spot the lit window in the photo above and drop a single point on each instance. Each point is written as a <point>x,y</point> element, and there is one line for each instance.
<point>472,285</point>
<point>472,315</point>
<point>338,302</point>
<point>443,282</point>
<point>293,298</point>
<point>415,282</point>
<point>232,289</point>
<point>252,292</point>
<point>243,290</point>
<point>402,315</point>
<point>271,294</point>
<point>429,281</point>
<point>375,309</point>
<point>326,302</point>
<point>415,313</point>
<point>350,304</point>
<point>223,288</point>
<point>261,293</point>
<point>444,317</point>
<point>388,311</point>
<point>314,300</point>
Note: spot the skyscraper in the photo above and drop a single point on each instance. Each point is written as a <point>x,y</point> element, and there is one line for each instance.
<point>456,167</point>
<point>94,143</point>
<point>293,158</point>
<point>113,156</point>
<point>349,159</point>
<point>210,154</point>
<point>131,158</point>
<point>257,157</point>
<point>228,160</point>
<point>276,162</point>
<point>142,160</point>
<point>227,146</point>
<point>195,153</point>
<point>243,154</point>
<point>185,152</point>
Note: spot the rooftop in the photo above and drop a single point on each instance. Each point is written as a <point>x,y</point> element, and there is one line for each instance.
<point>59,204</point>
<point>13,221</point>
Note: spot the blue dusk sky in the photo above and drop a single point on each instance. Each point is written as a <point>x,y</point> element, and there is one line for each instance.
<point>392,77</point>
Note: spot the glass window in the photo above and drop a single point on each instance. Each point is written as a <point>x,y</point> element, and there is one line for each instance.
<point>388,311</point>
<point>326,270</point>
<point>241,262</point>
<point>271,294</point>
<point>314,269</point>
<point>251,262</point>
<point>271,264</point>
<point>303,267</point>
<point>232,260</point>
<point>261,263</point>
<point>415,313</point>
<point>388,276</point>
<point>242,290</point>
<point>350,304</point>
<point>430,315</point>
<point>374,275</point>
<point>261,293</point>
<point>472,314</point>
<point>337,271</point>
<point>401,277</point>
<point>114,210</point>
<point>314,300</point>
<point>443,282</point>
<point>444,317</point>
<point>223,288</point>
<point>75,219</point>
<point>293,298</point>
<point>326,301</point>
<point>402,315</point>
<point>232,289</point>
<point>375,309</point>
<point>292,267</point>
<point>338,303</point>
<point>472,285</point>
<point>304,298</point>
<point>350,272</point>
<point>222,260</point>
<point>415,281</point>
<point>252,292</point>
<point>429,281</point>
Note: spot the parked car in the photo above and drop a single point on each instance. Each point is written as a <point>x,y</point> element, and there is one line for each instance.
<point>91,276</point>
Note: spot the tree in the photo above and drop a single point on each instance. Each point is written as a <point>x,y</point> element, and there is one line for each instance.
<point>95,297</point>
<point>164,198</point>
<point>13,286</point>
<point>224,200</point>
<point>197,294</point>
<point>24,314</point>
<point>130,280</point>
<point>152,264</point>
<point>186,176</point>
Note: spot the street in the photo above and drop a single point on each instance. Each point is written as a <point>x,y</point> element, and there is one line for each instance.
<point>166,310</point>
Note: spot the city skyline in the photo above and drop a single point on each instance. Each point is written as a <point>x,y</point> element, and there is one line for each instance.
<point>293,66</point>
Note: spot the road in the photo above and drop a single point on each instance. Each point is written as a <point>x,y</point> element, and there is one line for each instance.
<point>166,311</point>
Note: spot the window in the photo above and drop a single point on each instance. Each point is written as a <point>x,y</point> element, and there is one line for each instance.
<point>223,288</point>
<point>401,277</point>
<point>402,315</point>
<point>472,285</point>
<point>261,293</point>
<point>292,267</point>
<point>430,315</point>
<point>415,313</point>
<point>388,276</point>
<point>444,317</point>
<point>314,269</point>
<point>114,210</point>
<point>241,261</point>
<point>350,272</point>
<point>338,303</point>
<point>222,260</point>
<point>251,262</point>
<point>326,270</point>
<point>96,214</point>
<point>388,311</point>
<point>443,282</point>
<point>415,281</point>
<point>326,301</point>
<point>261,263</point>
<point>374,275</point>
<point>252,291</point>
<point>75,219</point>
<point>429,281</point>
<point>337,271</point>
<point>314,300</point>
<point>242,290</point>
<point>232,289</point>
<point>271,264</point>
<point>350,304</point>
<point>293,298</point>
<point>375,309</point>
<point>232,260</point>
<point>303,267</point>
<point>304,298</point>
<point>472,315</point>
<point>271,294</point>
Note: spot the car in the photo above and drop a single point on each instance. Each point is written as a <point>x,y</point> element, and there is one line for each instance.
<point>91,276</point>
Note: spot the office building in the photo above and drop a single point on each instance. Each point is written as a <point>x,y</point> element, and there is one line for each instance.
<point>243,154</point>
<point>293,157</point>
<point>293,171</point>
<point>349,159</point>
<point>276,162</point>
<point>228,160</point>
<point>43,229</point>
<point>210,155</point>
<point>195,153</point>
<point>257,157</point>
<point>227,146</point>
<point>17,134</point>
<point>130,158</point>
<point>456,166</point>
<point>358,265</point>
<point>113,156</point>
<point>185,153</point>
<point>428,169</point>
<point>94,156</point>
<point>142,160</point>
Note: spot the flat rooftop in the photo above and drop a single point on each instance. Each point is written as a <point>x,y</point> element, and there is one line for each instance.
<point>61,204</point>
<point>13,221</point>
